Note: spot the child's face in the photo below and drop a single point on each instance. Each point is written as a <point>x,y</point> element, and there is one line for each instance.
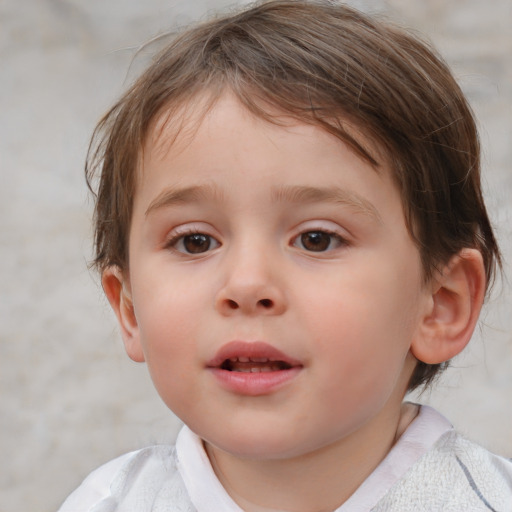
<point>279,244</point>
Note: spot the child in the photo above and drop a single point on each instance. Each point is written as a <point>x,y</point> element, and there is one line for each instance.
<point>291,232</point>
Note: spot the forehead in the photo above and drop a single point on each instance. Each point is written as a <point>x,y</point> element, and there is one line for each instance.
<point>178,122</point>
<point>195,151</point>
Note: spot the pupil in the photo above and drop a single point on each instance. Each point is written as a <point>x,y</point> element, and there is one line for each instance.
<point>316,240</point>
<point>196,243</point>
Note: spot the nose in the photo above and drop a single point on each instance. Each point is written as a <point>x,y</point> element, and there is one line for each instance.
<point>251,286</point>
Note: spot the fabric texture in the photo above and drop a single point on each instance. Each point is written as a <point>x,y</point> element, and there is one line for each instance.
<point>431,468</point>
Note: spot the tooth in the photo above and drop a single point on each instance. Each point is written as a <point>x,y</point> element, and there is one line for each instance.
<point>259,359</point>
<point>243,370</point>
<point>266,369</point>
<point>233,359</point>
<point>243,359</point>
<point>255,370</point>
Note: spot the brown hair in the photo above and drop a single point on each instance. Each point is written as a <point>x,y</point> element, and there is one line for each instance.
<point>323,63</point>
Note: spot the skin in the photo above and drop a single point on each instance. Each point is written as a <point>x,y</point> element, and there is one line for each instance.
<point>355,314</point>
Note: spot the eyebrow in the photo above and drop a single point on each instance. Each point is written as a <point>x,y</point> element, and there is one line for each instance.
<point>310,195</point>
<point>193,194</point>
<point>283,194</point>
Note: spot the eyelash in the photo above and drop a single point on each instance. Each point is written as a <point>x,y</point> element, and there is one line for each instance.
<point>298,241</point>
<point>333,237</point>
<point>180,237</point>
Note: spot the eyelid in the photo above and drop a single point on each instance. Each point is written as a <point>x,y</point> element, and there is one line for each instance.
<point>328,227</point>
<point>180,232</point>
<point>332,234</point>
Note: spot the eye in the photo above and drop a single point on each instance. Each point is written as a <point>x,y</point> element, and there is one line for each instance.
<point>194,243</point>
<point>318,241</point>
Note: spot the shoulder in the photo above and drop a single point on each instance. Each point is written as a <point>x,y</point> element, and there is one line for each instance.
<point>137,477</point>
<point>96,485</point>
<point>454,473</point>
<point>488,475</point>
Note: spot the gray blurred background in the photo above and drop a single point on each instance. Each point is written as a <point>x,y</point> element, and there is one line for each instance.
<point>70,398</point>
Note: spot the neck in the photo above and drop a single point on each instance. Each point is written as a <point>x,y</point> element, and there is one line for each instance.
<point>318,481</point>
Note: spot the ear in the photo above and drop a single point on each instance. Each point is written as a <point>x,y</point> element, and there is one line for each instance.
<point>457,295</point>
<point>118,291</point>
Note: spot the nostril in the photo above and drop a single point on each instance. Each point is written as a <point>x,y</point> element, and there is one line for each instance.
<point>232,304</point>
<point>266,303</point>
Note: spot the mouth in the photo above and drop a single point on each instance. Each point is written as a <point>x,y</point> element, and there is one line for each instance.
<point>253,365</point>
<point>252,357</point>
<point>253,368</point>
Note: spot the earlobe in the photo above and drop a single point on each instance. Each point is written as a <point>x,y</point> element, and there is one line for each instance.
<point>117,289</point>
<point>455,304</point>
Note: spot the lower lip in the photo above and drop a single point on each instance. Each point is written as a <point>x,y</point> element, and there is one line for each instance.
<point>254,384</point>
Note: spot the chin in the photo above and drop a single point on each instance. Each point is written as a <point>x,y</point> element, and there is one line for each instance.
<point>271,449</point>
<point>255,445</point>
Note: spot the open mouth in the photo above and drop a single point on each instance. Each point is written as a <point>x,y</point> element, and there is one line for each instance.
<point>253,368</point>
<point>253,365</point>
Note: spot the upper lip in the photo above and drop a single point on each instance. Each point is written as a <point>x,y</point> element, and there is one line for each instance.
<point>257,351</point>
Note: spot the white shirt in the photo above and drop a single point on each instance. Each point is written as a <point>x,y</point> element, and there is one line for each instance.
<point>430,468</point>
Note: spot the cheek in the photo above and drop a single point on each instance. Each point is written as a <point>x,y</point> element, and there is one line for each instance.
<point>167,322</point>
<point>365,323</point>
<point>170,359</point>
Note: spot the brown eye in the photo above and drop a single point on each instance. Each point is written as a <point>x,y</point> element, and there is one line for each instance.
<point>315,240</point>
<point>193,243</point>
<point>197,243</point>
<point>318,241</point>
